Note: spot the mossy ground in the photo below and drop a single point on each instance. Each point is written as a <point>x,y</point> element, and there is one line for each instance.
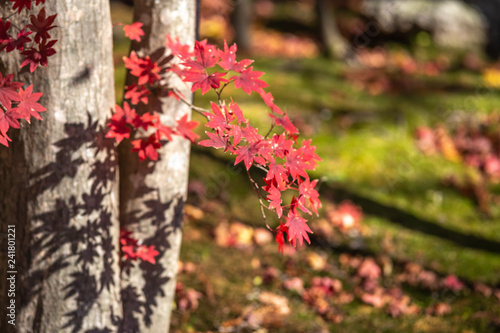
<point>375,163</point>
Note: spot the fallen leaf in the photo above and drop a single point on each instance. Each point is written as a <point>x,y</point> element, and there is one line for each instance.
<point>316,261</point>
<point>438,309</point>
<point>295,284</point>
<point>262,236</point>
<point>453,283</point>
<point>369,269</point>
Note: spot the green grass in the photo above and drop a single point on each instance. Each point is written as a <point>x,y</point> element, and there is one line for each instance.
<point>374,159</point>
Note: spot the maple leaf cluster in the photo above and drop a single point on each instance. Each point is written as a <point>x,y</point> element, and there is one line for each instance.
<point>132,250</point>
<point>279,153</point>
<point>34,44</point>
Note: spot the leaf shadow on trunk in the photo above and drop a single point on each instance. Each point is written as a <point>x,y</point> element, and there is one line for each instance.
<point>83,224</point>
<point>139,301</point>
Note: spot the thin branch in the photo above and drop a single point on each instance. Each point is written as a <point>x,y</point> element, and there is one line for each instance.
<point>258,166</point>
<point>256,188</point>
<point>270,130</point>
<point>3,107</point>
<point>224,86</point>
<point>9,16</point>
<point>193,107</point>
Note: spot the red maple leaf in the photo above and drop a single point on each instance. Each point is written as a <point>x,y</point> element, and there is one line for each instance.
<point>275,200</point>
<point>126,239</point>
<point>216,140</point>
<point>234,131</point>
<point>182,51</point>
<point>278,173</point>
<point>118,122</point>
<point>129,252</point>
<point>4,140</point>
<point>137,94</point>
<point>8,90</point>
<point>118,129</point>
<point>235,109</point>
<point>164,131</point>
<point>146,148</point>
<point>228,59</point>
<point>269,100</point>
<point>148,119</point>
<point>248,154</point>
<point>251,134</point>
<point>297,228</point>
<point>206,55</point>
<point>41,25</point>
<point>18,43</point>
<point>147,253</point>
<point>128,114</point>
<point>217,119</point>
<point>285,123</point>
<point>309,155</point>
<point>280,236</point>
<point>248,80</point>
<point>143,68</point>
<point>20,4</point>
<point>35,57</point>
<point>185,128</point>
<point>202,80</point>
<point>295,164</point>
<point>4,28</point>
<point>8,119</point>
<point>309,195</point>
<point>280,145</point>
<point>28,106</point>
<point>134,31</point>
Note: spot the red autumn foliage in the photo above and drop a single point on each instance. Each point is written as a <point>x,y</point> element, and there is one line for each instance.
<point>283,158</point>
<point>33,43</point>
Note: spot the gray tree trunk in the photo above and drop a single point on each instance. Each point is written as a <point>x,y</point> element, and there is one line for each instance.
<point>241,18</point>
<point>58,184</point>
<point>152,194</point>
<point>335,46</point>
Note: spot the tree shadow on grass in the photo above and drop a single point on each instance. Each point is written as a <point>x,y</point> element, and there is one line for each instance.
<point>410,221</point>
<point>389,213</point>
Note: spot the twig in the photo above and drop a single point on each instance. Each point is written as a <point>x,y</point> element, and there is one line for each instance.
<point>193,107</point>
<point>258,166</point>
<point>256,188</point>
<point>270,130</point>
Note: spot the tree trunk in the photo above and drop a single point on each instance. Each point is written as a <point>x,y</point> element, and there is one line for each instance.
<point>58,184</point>
<point>152,194</point>
<point>334,44</point>
<point>241,18</point>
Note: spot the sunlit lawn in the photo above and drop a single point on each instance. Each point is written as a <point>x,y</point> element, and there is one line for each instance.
<point>374,163</point>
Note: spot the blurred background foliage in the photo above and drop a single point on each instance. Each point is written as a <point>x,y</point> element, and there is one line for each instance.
<point>402,100</point>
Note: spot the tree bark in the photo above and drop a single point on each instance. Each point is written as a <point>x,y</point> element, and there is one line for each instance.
<point>58,183</point>
<point>241,18</point>
<point>334,44</point>
<point>152,194</point>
